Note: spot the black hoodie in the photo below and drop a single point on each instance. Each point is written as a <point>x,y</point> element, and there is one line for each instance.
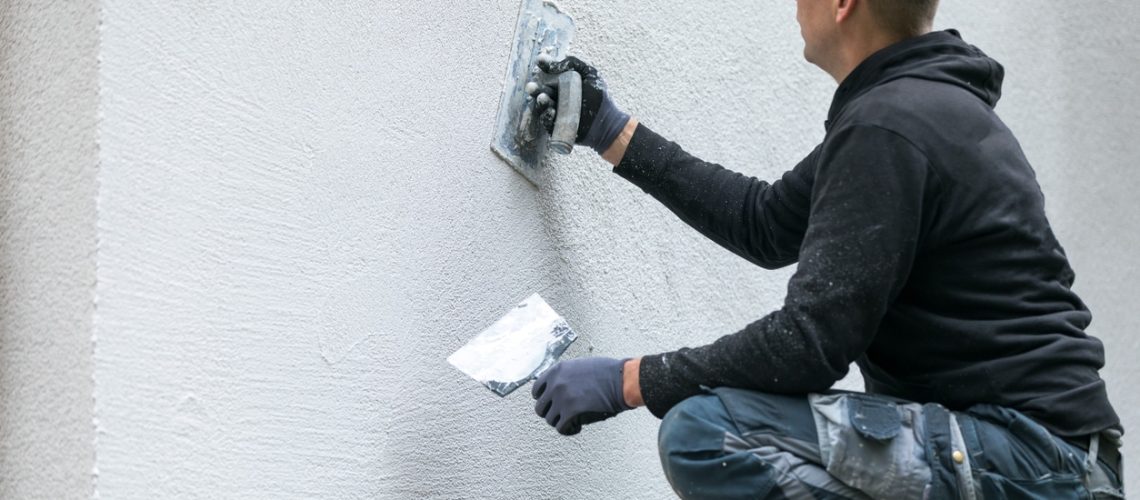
<point>924,253</point>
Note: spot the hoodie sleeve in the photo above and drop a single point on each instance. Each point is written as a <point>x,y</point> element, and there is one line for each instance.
<point>764,223</point>
<point>863,229</point>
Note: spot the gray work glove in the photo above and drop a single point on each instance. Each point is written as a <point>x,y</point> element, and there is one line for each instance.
<point>601,120</point>
<point>578,392</point>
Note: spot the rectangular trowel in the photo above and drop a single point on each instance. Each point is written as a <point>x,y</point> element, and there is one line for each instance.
<point>516,348</point>
<point>520,140</point>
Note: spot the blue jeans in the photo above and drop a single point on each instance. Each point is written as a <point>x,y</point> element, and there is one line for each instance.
<point>733,443</point>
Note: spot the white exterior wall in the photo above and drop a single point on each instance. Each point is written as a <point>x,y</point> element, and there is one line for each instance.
<point>300,218</point>
<point>48,158</point>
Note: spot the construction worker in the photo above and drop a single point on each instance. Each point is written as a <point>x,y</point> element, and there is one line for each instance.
<point>924,256</point>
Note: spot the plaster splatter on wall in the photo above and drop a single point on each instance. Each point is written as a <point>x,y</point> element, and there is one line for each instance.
<point>191,416</point>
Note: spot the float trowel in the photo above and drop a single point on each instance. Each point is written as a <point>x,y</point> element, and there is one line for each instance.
<point>516,348</point>
<point>520,139</point>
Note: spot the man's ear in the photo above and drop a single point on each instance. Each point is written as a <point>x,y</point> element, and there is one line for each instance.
<point>845,9</point>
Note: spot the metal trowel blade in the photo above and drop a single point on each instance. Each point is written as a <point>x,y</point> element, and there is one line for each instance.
<point>516,348</point>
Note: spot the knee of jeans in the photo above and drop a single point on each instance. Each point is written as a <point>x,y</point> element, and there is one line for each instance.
<point>695,426</point>
<point>696,460</point>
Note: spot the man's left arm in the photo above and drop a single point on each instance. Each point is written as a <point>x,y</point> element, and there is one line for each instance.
<point>863,232</point>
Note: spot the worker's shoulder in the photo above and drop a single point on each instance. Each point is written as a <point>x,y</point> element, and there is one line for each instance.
<point>899,102</point>
<point>930,115</point>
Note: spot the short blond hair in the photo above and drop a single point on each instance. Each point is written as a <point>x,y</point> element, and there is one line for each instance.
<point>905,17</point>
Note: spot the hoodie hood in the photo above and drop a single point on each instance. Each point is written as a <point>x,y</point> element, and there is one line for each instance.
<point>940,56</point>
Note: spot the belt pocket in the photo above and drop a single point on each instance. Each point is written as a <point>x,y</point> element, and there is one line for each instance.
<point>871,444</point>
<point>874,419</point>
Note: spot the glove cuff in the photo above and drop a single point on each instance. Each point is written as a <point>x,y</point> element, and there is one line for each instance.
<point>607,125</point>
<point>621,386</point>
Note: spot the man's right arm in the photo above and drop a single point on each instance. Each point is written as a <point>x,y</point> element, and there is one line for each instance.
<point>764,223</point>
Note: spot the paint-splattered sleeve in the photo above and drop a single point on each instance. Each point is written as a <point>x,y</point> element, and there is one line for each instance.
<point>761,222</point>
<point>857,252</point>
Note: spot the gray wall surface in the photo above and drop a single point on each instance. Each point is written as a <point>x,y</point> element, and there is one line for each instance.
<point>300,219</point>
<point>48,158</point>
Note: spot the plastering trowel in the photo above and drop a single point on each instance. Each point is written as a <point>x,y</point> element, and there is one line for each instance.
<point>517,348</point>
<point>520,138</point>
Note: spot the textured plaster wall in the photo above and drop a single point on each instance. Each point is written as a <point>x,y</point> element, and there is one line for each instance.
<point>299,219</point>
<point>48,155</point>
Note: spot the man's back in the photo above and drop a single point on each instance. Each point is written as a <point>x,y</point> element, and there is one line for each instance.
<point>986,314</point>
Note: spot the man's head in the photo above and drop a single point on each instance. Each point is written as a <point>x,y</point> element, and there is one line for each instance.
<point>838,34</point>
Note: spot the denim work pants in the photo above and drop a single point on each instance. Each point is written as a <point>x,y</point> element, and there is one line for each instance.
<point>733,443</point>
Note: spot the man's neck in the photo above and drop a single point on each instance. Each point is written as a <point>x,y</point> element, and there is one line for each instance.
<point>857,48</point>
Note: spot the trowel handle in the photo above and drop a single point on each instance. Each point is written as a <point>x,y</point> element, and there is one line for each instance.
<point>569,112</point>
